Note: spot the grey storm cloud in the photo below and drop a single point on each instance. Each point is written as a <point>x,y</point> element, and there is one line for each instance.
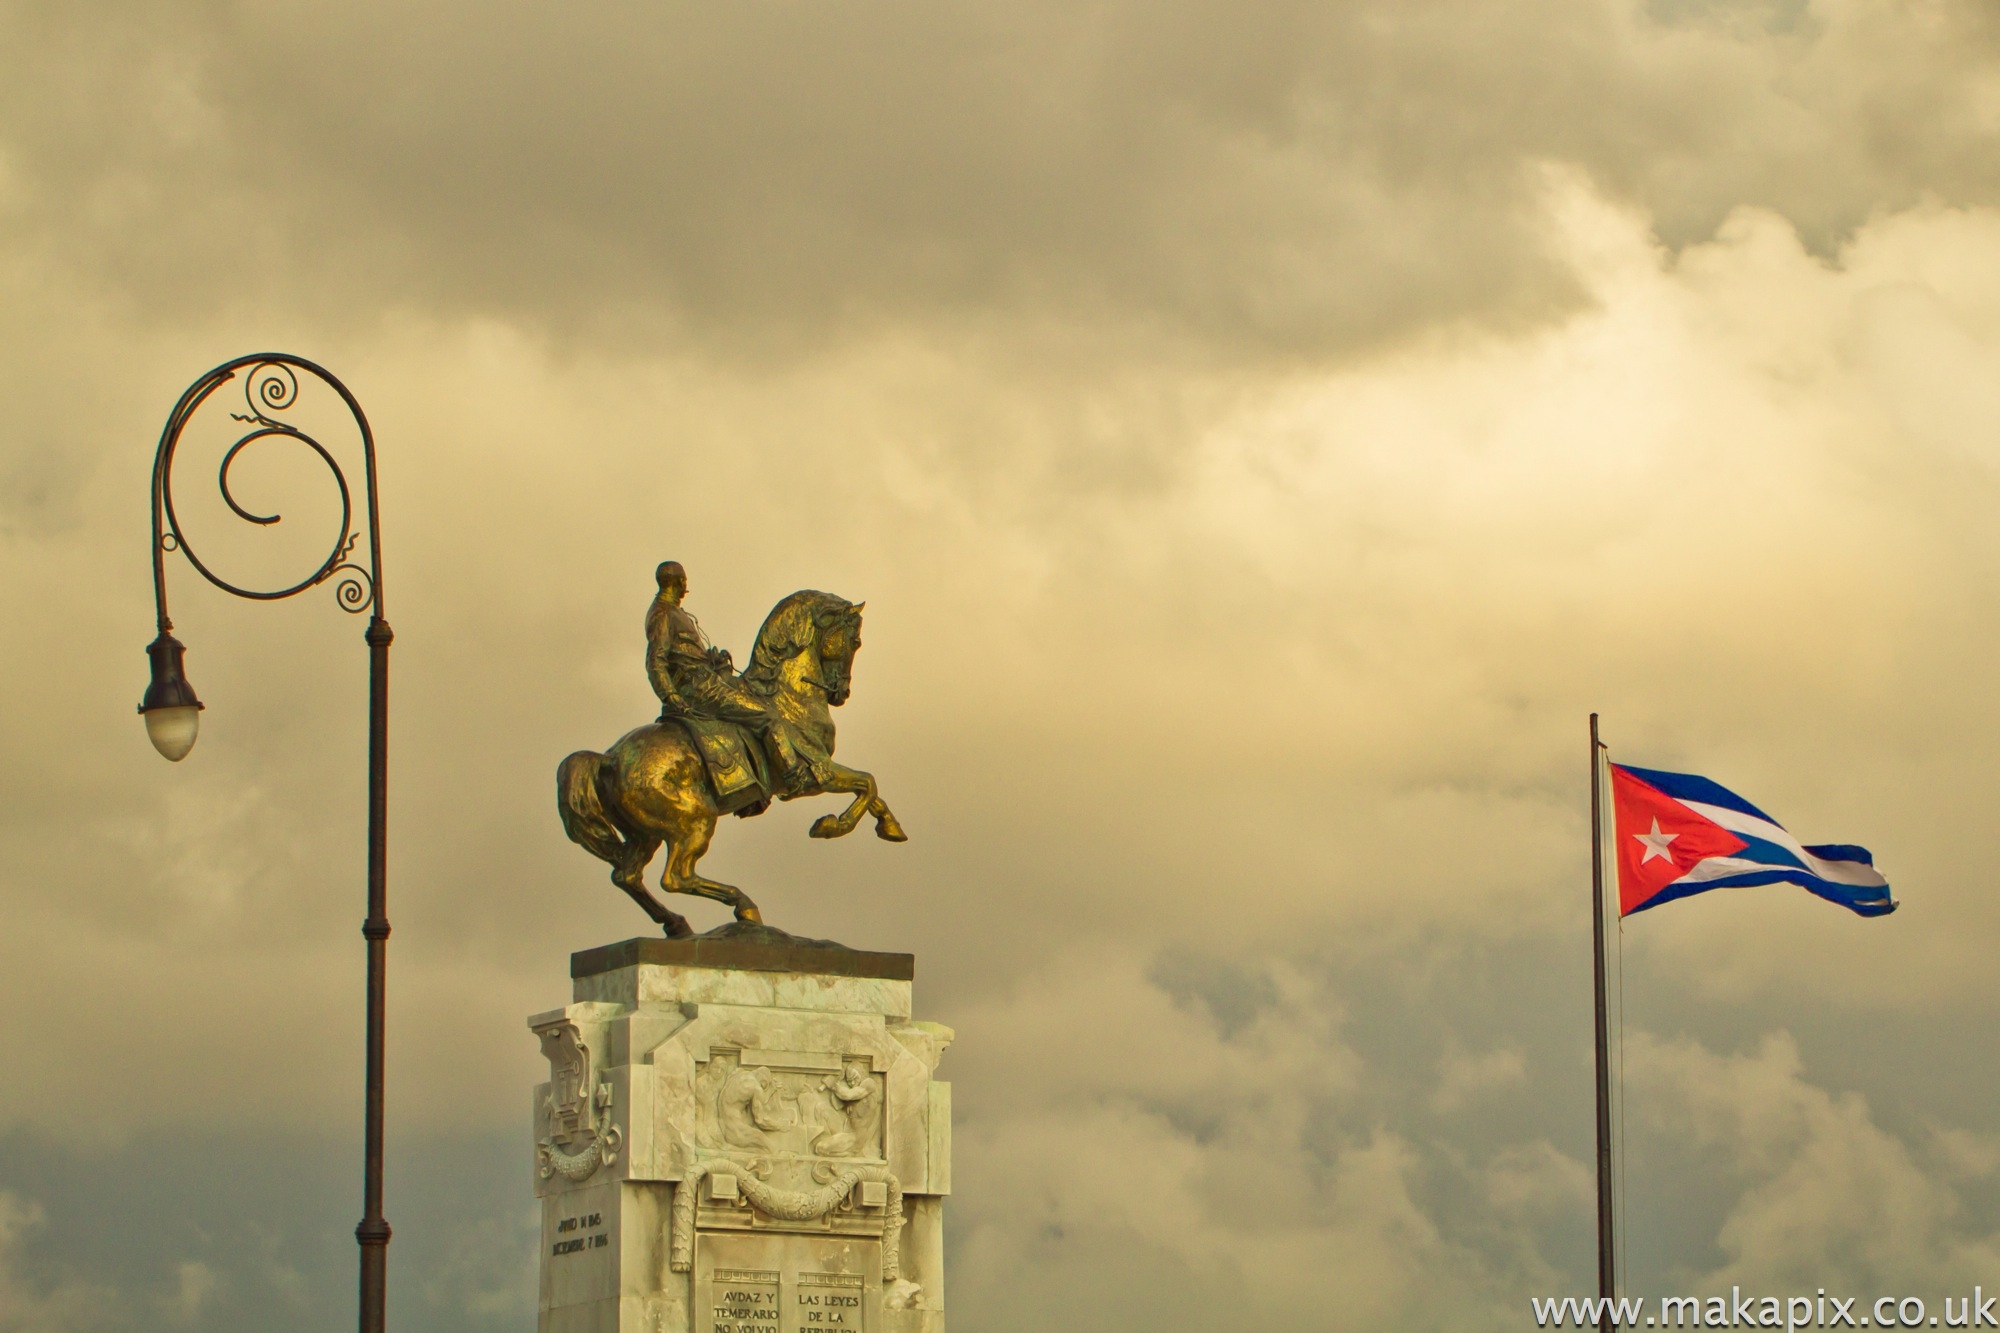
<point>1272,179</point>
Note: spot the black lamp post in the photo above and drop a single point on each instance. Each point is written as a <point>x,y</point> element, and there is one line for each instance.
<point>173,713</point>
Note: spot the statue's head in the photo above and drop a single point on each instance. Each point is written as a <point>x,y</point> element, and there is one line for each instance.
<point>671,575</point>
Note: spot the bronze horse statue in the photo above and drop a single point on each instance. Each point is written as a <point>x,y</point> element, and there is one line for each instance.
<point>655,786</point>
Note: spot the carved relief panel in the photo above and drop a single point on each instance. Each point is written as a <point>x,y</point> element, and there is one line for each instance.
<point>792,1103</point>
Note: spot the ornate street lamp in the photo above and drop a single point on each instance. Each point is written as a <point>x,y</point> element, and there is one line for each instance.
<point>173,713</point>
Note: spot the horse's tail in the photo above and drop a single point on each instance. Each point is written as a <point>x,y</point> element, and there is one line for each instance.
<point>582,810</point>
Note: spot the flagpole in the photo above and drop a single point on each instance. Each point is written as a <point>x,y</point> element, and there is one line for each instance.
<point>1607,1279</point>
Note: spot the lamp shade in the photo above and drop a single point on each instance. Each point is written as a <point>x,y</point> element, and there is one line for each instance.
<point>173,714</point>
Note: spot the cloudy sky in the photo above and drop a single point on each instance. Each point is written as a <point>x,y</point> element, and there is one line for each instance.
<point>1262,432</point>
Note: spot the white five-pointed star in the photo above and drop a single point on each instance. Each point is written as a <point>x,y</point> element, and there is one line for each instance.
<point>1656,844</point>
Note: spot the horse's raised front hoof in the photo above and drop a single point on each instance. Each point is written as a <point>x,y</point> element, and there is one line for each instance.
<point>888,830</point>
<point>826,826</point>
<point>677,927</point>
<point>747,911</point>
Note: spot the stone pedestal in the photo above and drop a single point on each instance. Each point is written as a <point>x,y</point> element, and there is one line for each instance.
<point>741,1134</point>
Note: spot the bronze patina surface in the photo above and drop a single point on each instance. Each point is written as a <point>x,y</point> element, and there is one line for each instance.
<point>726,742</point>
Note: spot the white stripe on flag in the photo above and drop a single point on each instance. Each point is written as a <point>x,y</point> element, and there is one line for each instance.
<point>1840,872</point>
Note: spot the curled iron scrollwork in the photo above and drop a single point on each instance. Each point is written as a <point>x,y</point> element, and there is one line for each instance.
<point>356,588</point>
<point>271,388</point>
<point>274,384</point>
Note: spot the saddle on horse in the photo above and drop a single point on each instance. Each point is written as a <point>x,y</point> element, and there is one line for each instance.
<point>737,767</point>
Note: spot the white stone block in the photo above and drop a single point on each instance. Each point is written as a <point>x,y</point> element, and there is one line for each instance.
<point>741,1134</point>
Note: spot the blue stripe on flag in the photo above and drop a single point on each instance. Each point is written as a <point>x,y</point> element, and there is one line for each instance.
<point>1688,787</point>
<point>1769,853</point>
<point>1861,899</point>
<point>1841,851</point>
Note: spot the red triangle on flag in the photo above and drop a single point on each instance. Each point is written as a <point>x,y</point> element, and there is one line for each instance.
<point>1658,839</point>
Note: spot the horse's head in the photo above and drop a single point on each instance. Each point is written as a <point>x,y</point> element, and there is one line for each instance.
<point>839,640</point>
<point>827,626</point>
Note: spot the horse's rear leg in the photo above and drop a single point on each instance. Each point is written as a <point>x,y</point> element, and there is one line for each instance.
<point>680,876</point>
<point>629,875</point>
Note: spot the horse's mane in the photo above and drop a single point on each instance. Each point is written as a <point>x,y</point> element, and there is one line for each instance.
<point>793,626</point>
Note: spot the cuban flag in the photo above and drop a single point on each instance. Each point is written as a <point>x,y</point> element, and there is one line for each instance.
<point>1679,834</point>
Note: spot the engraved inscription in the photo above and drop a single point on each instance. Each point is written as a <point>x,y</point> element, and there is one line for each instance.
<point>803,1284</point>
<point>574,1244</point>
<point>745,1301</point>
<point>826,1301</point>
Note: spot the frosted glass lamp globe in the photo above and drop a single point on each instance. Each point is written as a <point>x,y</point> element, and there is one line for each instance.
<point>172,730</point>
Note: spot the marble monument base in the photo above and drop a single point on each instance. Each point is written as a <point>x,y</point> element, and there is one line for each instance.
<point>741,1133</point>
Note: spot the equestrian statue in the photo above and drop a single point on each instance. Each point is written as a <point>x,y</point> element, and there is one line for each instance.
<point>726,742</point>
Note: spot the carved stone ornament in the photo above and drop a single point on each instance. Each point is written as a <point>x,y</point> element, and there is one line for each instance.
<point>581,1137</point>
<point>879,1189</point>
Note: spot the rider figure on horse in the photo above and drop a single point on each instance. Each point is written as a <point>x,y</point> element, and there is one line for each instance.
<point>696,679</point>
